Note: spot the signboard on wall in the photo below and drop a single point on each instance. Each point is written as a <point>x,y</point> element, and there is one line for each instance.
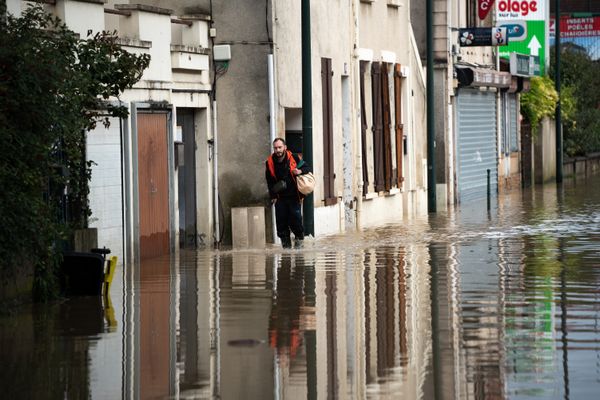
<point>524,65</point>
<point>576,27</point>
<point>484,7</point>
<point>471,37</point>
<point>525,20</point>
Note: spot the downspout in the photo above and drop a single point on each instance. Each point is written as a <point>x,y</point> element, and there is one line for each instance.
<point>217,234</point>
<point>215,147</point>
<point>357,127</point>
<point>272,123</point>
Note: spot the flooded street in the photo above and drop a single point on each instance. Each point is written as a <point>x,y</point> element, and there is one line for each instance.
<point>469,304</point>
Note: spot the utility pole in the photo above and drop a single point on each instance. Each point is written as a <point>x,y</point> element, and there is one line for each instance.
<point>307,140</point>
<point>431,183</point>
<point>558,117</point>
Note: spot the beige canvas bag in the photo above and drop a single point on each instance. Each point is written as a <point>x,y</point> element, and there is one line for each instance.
<point>305,183</point>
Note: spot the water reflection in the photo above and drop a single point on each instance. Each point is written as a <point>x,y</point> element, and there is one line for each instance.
<point>478,304</point>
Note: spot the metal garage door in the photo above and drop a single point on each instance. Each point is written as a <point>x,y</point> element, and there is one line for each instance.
<point>476,144</point>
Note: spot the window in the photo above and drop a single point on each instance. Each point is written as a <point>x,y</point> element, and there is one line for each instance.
<point>383,150</point>
<point>472,18</point>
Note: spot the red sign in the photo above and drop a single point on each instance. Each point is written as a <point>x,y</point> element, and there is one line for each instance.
<point>522,7</point>
<point>484,8</point>
<point>576,27</point>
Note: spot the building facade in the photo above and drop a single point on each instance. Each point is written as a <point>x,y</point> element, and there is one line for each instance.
<point>478,140</point>
<point>368,106</point>
<point>150,190</point>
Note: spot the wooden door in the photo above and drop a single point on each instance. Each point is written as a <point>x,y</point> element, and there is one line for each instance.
<point>153,184</point>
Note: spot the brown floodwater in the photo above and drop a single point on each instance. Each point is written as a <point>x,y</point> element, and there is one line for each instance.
<point>468,304</point>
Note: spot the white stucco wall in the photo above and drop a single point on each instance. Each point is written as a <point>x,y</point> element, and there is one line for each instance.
<point>384,34</point>
<point>103,147</point>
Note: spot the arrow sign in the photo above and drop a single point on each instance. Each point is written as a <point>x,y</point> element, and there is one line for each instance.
<point>534,46</point>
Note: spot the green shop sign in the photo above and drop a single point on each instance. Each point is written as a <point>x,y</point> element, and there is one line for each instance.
<point>526,24</point>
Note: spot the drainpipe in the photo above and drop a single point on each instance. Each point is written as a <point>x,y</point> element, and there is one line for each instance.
<point>357,127</point>
<point>307,140</point>
<point>431,189</point>
<point>272,124</point>
<point>558,117</point>
<point>217,234</point>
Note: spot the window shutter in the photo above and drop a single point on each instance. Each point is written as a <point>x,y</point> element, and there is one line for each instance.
<point>363,128</point>
<point>387,122</point>
<point>399,128</point>
<point>328,167</point>
<point>377,127</point>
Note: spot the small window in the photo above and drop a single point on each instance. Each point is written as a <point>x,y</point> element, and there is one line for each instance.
<point>472,17</point>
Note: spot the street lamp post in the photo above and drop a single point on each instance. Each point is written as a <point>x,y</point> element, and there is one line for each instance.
<point>558,117</point>
<point>431,183</point>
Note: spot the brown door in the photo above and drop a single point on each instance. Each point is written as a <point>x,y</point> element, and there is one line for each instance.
<point>153,185</point>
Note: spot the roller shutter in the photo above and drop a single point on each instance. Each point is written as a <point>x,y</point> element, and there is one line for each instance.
<point>511,116</point>
<point>476,144</point>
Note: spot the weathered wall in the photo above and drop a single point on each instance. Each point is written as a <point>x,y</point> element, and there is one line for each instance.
<point>242,98</point>
<point>545,151</point>
<point>331,38</point>
<point>387,32</point>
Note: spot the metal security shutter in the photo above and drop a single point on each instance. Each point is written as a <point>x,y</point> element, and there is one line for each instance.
<point>476,144</point>
<point>509,116</point>
<point>513,117</point>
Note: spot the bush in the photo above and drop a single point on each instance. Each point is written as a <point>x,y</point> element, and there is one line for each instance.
<point>52,90</point>
<point>540,101</point>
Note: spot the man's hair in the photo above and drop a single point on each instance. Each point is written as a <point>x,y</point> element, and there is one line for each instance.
<point>279,140</point>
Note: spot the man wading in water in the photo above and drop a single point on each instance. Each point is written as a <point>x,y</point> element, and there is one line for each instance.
<point>282,167</point>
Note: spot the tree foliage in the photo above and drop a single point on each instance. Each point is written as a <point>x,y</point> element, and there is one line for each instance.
<point>53,87</point>
<point>540,101</point>
<point>581,115</point>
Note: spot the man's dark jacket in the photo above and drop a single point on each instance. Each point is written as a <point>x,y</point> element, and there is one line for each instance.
<point>282,172</point>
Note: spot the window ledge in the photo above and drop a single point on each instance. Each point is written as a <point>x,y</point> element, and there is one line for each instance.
<point>374,195</point>
<point>395,3</point>
<point>371,195</point>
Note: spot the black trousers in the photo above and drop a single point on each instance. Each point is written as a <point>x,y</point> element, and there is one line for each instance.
<point>288,214</point>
